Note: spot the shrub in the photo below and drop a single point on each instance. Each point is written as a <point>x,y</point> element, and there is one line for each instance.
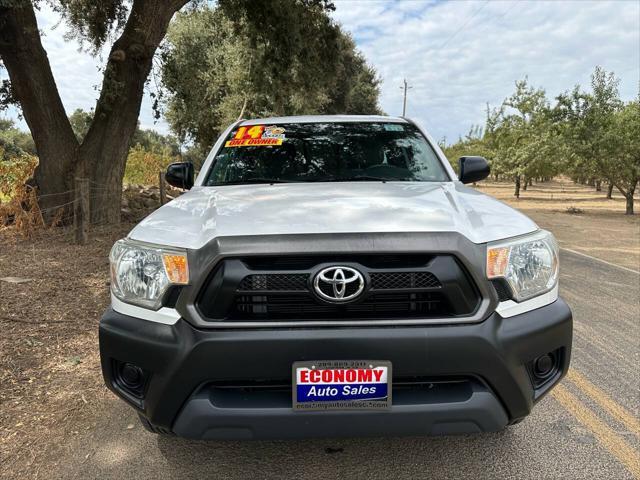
<point>14,172</point>
<point>143,166</point>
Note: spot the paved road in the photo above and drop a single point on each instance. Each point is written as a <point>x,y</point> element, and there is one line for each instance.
<point>587,428</point>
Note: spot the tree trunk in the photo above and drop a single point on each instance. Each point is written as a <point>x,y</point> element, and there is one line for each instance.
<point>103,153</point>
<point>610,191</point>
<point>598,185</point>
<point>629,196</point>
<point>531,182</point>
<point>517,192</point>
<point>525,184</point>
<point>106,145</point>
<point>33,86</point>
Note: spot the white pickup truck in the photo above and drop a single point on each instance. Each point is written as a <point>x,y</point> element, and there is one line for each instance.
<point>333,276</point>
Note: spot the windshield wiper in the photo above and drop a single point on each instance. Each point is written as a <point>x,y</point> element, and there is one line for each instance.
<point>365,178</point>
<point>252,180</point>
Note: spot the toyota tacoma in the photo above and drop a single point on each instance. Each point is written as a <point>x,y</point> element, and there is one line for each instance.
<point>329,276</point>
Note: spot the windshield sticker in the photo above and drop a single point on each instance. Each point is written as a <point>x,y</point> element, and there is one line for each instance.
<point>393,127</point>
<point>257,136</point>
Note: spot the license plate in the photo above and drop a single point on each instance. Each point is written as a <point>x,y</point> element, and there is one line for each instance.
<point>342,385</point>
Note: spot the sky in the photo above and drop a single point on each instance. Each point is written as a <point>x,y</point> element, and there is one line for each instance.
<point>457,56</point>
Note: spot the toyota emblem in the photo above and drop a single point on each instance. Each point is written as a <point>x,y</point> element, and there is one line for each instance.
<point>338,284</point>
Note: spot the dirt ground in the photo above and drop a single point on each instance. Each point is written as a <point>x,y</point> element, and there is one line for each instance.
<point>50,382</point>
<point>599,228</point>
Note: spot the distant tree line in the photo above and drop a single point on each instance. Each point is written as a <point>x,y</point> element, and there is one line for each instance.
<point>591,136</point>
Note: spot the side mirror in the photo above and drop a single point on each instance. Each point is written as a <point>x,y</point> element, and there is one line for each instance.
<point>473,169</point>
<point>180,175</point>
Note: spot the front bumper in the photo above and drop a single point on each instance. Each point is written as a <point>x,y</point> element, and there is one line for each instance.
<point>233,383</point>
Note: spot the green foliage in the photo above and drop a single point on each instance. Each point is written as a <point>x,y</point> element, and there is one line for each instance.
<point>471,144</point>
<point>13,141</point>
<point>143,165</point>
<point>280,57</point>
<point>92,21</point>
<point>601,132</point>
<point>624,163</point>
<point>155,142</point>
<point>520,137</point>
<point>80,122</point>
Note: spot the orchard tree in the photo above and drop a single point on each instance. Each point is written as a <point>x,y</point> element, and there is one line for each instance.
<point>520,136</point>
<point>219,65</point>
<point>586,122</point>
<point>623,167</point>
<point>598,130</point>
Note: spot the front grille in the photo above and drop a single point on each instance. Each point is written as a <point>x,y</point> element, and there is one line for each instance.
<point>290,307</point>
<point>263,289</point>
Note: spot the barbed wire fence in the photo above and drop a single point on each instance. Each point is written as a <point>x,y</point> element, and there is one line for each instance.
<point>71,219</point>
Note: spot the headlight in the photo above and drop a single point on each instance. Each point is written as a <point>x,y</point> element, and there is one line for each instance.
<point>529,264</point>
<point>141,274</point>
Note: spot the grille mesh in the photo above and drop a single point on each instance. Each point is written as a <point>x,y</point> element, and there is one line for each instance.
<point>403,280</point>
<point>298,281</point>
<point>275,282</point>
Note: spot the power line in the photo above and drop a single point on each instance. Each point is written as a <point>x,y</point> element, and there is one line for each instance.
<point>464,24</point>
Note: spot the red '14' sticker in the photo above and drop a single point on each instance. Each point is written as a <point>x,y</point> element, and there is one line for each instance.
<point>256,135</point>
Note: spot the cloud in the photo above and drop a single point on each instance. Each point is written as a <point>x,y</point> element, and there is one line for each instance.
<point>459,55</point>
<point>456,55</point>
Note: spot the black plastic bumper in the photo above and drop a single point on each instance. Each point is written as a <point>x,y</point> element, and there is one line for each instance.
<point>185,367</point>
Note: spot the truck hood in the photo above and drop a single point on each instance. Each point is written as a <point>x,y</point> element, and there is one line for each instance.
<point>204,213</point>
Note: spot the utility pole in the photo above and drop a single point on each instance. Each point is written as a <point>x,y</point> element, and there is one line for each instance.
<point>405,87</point>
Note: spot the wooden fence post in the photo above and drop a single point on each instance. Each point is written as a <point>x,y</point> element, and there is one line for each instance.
<point>81,210</point>
<point>163,192</point>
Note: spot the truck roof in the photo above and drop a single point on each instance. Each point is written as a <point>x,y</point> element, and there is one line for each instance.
<point>325,119</point>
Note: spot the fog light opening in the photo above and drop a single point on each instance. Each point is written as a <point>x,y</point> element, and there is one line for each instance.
<point>543,366</point>
<point>132,375</point>
<point>130,379</point>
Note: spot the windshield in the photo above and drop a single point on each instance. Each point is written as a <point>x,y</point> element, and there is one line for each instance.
<point>325,152</point>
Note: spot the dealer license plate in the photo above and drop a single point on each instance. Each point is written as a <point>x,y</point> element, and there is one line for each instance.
<point>342,385</point>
